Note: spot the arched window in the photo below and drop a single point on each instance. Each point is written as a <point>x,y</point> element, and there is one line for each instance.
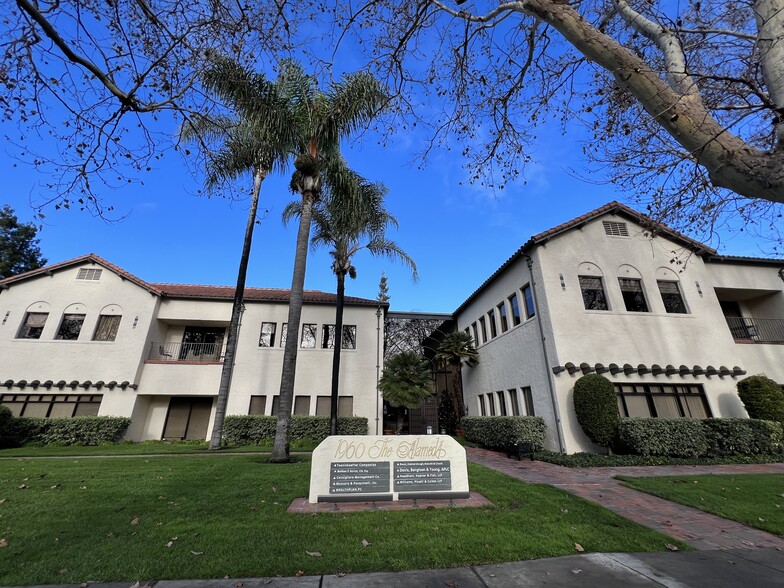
<point>632,292</point>
<point>72,321</point>
<point>592,286</point>
<point>670,290</point>
<point>34,321</point>
<point>108,323</point>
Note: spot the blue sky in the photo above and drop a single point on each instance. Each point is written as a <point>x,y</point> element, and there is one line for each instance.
<point>457,234</point>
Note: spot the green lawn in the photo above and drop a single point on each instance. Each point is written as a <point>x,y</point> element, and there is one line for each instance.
<point>73,520</point>
<point>143,448</point>
<point>752,499</point>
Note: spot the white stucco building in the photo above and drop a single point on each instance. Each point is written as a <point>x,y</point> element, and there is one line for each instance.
<point>672,324</point>
<point>86,337</point>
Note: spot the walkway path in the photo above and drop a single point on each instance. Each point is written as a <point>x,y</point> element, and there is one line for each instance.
<point>701,530</point>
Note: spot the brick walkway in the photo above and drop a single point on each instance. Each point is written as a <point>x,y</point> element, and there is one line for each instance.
<point>701,530</point>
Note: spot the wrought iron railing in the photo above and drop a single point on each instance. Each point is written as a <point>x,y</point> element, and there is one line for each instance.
<point>756,329</point>
<point>168,351</point>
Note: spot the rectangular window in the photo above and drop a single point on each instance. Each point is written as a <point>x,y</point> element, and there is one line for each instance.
<point>70,327</point>
<point>483,328</point>
<point>528,401</point>
<point>665,401</point>
<point>491,322</point>
<point>515,310</point>
<point>515,403</point>
<point>476,333</point>
<point>482,410</point>
<point>275,405</point>
<point>671,297</point>
<point>323,405</point>
<point>267,337</point>
<point>33,325</point>
<point>633,296</point>
<point>345,406</point>
<point>528,297</point>
<point>349,340</point>
<point>491,402</point>
<point>106,329</point>
<point>501,403</point>
<point>593,293</point>
<point>283,332</point>
<point>258,404</point>
<point>502,317</point>
<point>302,405</point>
<point>309,332</point>
<point>51,405</point>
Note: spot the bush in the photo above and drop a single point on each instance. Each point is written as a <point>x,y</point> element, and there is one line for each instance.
<point>596,408</point>
<point>762,397</point>
<point>594,460</point>
<point>742,437</point>
<point>87,430</point>
<point>257,429</point>
<point>496,432</point>
<point>9,430</point>
<point>679,437</point>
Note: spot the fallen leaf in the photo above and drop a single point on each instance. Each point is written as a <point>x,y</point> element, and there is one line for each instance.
<point>313,553</point>
<point>760,519</point>
<point>564,510</point>
<point>340,574</point>
<point>274,489</point>
<point>197,552</point>
<point>3,543</point>
<point>238,584</point>
<point>135,521</point>
<point>671,547</point>
<point>62,570</point>
<point>749,543</point>
<point>82,487</point>
<point>579,547</point>
<point>170,543</point>
<point>365,542</point>
<point>266,580</point>
<point>55,487</point>
<point>452,584</point>
<point>299,573</point>
<point>577,571</point>
<point>2,500</point>
<point>23,486</point>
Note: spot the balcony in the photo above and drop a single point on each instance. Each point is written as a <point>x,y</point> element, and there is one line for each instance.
<point>757,330</point>
<point>176,352</point>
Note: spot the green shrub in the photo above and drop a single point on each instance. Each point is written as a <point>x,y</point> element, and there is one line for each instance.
<point>678,437</point>
<point>594,460</point>
<point>762,397</point>
<point>742,436</point>
<point>9,430</point>
<point>87,430</point>
<point>257,429</point>
<point>596,408</point>
<point>497,432</point>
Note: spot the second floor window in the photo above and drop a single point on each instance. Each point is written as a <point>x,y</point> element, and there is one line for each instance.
<point>349,340</point>
<point>528,297</point>
<point>515,310</point>
<point>33,325</point>
<point>70,327</point>
<point>267,337</point>
<point>308,336</point>
<point>633,296</point>
<point>502,317</point>
<point>671,297</point>
<point>593,293</point>
<point>106,329</point>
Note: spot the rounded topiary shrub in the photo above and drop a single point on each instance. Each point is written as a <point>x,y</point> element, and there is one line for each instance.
<point>596,407</point>
<point>762,397</point>
<point>9,432</point>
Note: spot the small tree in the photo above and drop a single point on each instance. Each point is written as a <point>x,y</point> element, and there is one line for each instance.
<point>406,381</point>
<point>762,397</point>
<point>596,407</point>
<point>19,250</point>
<point>456,348</point>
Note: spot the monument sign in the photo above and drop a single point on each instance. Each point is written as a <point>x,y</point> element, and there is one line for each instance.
<point>389,467</point>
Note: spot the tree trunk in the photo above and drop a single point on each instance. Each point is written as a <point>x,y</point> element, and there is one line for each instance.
<point>280,448</point>
<point>457,394</point>
<point>236,314</point>
<point>333,405</point>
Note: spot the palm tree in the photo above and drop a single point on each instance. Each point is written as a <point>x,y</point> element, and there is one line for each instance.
<point>258,141</point>
<point>323,119</point>
<point>406,381</point>
<point>349,218</point>
<point>456,348</point>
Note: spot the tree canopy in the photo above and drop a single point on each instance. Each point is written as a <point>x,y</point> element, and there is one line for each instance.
<point>680,104</point>
<point>19,247</point>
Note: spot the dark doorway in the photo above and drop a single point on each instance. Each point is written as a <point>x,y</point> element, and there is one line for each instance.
<point>202,344</point>
<point>188,418</point>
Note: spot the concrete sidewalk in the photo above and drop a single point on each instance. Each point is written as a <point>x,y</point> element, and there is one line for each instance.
<point>760,568</point>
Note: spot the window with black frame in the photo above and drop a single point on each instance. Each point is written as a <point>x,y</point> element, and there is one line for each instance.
<point>593,293</point>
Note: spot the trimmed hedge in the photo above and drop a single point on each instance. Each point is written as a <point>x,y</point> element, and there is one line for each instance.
<point>256,429</point>
<point>762,397</point>
<point>680,437</point>
<point>596,408</point>
<point>87,430</point>
<point>497,432</point>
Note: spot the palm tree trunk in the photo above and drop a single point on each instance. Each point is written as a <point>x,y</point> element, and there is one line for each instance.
<point>333,407</point>
<point>280,448</point>
<point>457,394</point>
<point>236,315</point>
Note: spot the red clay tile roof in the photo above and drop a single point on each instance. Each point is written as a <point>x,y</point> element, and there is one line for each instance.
<point>609,208</point>
<point>192,290</point>
<point>261,294</point>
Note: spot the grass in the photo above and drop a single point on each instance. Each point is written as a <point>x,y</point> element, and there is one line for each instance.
<point>143,448</point>
<point>74,520</point>
<point>756,500</point>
